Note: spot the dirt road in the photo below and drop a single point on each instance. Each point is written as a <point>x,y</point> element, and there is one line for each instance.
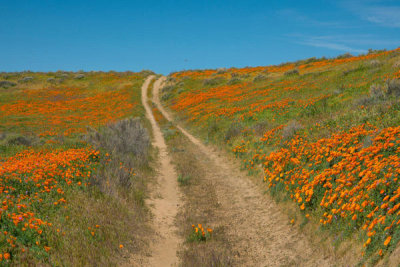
<point>259,233</point>
<point>165,199</point>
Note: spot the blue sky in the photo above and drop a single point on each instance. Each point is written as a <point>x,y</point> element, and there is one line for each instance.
<point>167,36</point>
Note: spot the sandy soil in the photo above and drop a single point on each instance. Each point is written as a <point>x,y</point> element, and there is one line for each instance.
<point>165,198</point>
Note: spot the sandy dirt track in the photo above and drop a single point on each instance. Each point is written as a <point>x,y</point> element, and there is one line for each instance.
<point>165,199</point>
<point>259,233</point>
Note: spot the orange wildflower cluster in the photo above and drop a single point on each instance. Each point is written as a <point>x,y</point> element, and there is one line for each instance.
<point>66,110</point>
<point>247,100</point>
<point>242,100</point>
<point>195,103</point>
<point>200,234</point>
<point>397,75</point>
<point>34,182</point>
<point>270,134</point>
<point>352,181</point>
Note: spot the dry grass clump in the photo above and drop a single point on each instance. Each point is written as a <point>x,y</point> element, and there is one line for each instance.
<point>291,129</point>
<point>234,130</point>
<point>10,139</point>
<point>234,80</point>
<point>374,63</point>
<point>260,77</point>
<point>125,137</point>
<point>377,91</point>
<point>212,81</point>
<point>26,79</point>
<point>221,70</point>
<point>260,127</point>
<point>146,73</point>
<point>393,87</point>
<point>167,92</point>
<point>79,76</point>
<point>345,55</point>
<point>292,72</point>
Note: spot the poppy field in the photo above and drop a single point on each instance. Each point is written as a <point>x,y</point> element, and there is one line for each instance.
<point>46,165</point>
<point>323,133</point>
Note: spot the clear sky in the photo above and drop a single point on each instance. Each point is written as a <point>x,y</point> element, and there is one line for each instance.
<point>166,36</point>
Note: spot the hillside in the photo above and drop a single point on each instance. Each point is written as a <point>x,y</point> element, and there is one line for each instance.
<point>70,194</point>
<point>289,165</point>
<point>322,132</point>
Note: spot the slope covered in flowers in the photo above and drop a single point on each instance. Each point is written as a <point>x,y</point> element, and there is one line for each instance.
<point>32,186</point>
<point>45,164</point>
<point>70,106</point>
<point>325,133</point>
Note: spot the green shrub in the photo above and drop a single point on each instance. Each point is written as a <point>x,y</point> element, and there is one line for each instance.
<point>184,180</point>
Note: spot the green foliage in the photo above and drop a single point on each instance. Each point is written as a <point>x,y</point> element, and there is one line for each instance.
<point>184,180</point>
<point>199,234</point>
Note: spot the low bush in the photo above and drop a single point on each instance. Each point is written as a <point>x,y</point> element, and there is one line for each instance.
<point>7,84</point>
<point>221,70</point>
<point>377,91</point>
<point>289,131</point>
<point>260,77</point>
<point>125,137</point>
<point>374,63</point>
<point>9,139</point>
<point>167,92</point>
<point>234,80</point>
<point>292,72</point>
<point>128,143</point>
<point>345,55</point>
<point>26,79</point>
<point>234,130</point>
<point>212,81</point>
<point>393,87</point>
<point>146,73</point>
<point>260,127</point>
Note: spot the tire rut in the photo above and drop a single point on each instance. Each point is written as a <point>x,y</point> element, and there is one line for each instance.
<point>165,199</point>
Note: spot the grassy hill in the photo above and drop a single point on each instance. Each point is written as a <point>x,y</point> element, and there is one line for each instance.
<point>325,133</point>
<point>70,194</point>
<point>322,134</point>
